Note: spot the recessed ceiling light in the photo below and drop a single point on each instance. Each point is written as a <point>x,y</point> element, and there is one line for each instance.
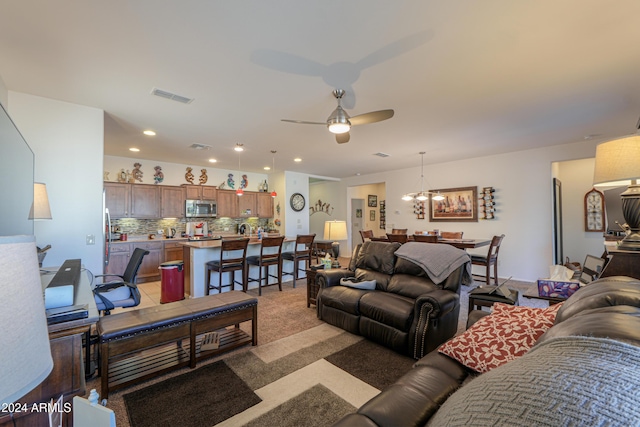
<point>267,168</point>
<point>238,147</point>
<point>297,159</point>
<point>149,133</point>
<point>212,160</point>
<point>134,149</point>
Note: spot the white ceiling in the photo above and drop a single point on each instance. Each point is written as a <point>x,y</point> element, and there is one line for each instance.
<point>466,78</point>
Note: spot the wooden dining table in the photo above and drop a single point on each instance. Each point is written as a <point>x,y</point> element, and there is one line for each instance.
<point>458,243</point>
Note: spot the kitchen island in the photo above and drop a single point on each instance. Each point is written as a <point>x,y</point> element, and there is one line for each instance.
<point>196,254</point>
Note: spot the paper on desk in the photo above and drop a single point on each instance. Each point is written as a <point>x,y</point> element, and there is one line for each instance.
<point>560,273</point>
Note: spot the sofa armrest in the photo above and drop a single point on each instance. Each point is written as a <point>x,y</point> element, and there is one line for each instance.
<point>435,320</point>
<point>331,277</point>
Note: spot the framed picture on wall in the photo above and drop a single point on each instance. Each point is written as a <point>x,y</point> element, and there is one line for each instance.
<point>372,215</point>
<point>373,201</point>
<point>459,204</point>
<point>358,213</point>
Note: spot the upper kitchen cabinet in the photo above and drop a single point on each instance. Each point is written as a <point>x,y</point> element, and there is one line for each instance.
<point>132,200</point>
<point>247,205</point>
<point>228,204</point>
<point>200,192</point>
<point>172,202</point>
<point>264,205</point>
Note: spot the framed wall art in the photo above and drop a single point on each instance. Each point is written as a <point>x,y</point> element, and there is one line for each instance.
<point>459,204</point>
<point>372,215</point>
<point>373,201</point>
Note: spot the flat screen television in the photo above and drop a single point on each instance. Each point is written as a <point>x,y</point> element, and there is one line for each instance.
<point>16,174</point>
<point>613,209</point>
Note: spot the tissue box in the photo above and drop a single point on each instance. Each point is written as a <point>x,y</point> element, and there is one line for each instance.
<point>556,288</point>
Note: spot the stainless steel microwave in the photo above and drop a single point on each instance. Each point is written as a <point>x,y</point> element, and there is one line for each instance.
<point>201,209</point>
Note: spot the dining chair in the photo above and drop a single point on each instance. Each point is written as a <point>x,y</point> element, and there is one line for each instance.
<point>400,238</point>
<point>366,234</point>
<point>270,254</point>
<point>399,230</point>
<point>425,238</point>
<point>233,257</point>
<point>301,252</point>
<point>451,234</point>
<point>490,259</point>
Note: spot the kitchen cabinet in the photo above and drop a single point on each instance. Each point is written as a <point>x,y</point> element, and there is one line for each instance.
<point>116,197</point>
<point>145,201</point>
<point>118,259</point>
<point>172,202</point>
<point>264,205</point>
<point>200,192</point>
<point>149,269</point>
<point>172,251</point>
<point>228,204</point>
<point>247,205</point>
<point>132,200</point>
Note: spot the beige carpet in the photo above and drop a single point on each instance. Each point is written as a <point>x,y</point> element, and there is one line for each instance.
<point>287,326</point>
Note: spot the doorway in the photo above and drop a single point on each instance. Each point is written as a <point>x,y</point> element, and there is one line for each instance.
<point>357,215</point>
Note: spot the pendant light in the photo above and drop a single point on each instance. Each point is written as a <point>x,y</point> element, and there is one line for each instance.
<point>273,169</point>
<point>422,195</point>
<point>239,191</point>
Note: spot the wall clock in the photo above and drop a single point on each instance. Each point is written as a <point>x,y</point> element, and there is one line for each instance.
<point>594,210</point>
<point>297,202</point>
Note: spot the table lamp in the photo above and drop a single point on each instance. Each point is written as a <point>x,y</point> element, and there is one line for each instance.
<point>25,351</point>
<point>334,231</point>
<point>40,208</point>
<point>618,164</point>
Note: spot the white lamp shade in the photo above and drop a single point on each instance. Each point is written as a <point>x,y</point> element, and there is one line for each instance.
<point>335,230</point>
<point>40,208</point>
<point>25,352</point>
<point>617,162</point>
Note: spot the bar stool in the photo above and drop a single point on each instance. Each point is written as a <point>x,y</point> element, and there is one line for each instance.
<point>267,258</point>
<point>300,254</point>
<point>229,262</point>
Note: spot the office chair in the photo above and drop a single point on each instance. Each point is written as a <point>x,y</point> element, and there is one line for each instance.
<point>122,292</point>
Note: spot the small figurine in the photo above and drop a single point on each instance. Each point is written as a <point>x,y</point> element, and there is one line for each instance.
<point>222,185</point>
<point>136,173</point>
<point>105,176</point>
<point>189,176</point>
<point>130,178</point>
<point>230,182</point>
<point>122,176</point>
<point>203,177</point>
<point>158,177</point>
<point>244,182</point>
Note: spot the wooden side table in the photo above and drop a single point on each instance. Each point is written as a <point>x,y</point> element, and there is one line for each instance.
<point>312,287</point>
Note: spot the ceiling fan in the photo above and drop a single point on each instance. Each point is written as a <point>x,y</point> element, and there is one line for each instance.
<point>339,122</point>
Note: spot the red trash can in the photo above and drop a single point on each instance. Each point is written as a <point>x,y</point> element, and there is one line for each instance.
<point>171,281</point>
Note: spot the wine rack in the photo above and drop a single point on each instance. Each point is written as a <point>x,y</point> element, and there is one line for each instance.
<point>487,203</point>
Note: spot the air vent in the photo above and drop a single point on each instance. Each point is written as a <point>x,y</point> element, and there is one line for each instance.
<point>172,96</point>
<point>381,154</point>
<point>200,146</point>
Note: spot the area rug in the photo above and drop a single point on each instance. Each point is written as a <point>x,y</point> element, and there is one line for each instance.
<point>202,397</point>
<point>312,378</point>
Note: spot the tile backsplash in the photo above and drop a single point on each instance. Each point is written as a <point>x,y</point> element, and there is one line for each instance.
<point>151,226</point>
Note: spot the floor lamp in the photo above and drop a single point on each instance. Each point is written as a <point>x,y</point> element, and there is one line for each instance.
<point>618,164</point>
<point>334,231</point>
<point>25,350</point>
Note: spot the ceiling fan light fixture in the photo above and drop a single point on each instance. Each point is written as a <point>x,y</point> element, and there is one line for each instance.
<point>339,127</point>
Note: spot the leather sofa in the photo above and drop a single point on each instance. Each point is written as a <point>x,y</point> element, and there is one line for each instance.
<point>606,311</point>
<point>406,311</point>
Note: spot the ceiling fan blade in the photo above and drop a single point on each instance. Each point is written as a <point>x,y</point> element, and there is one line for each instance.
<point>303,122</point>
<point>372,117</point>
<point>342,138</point>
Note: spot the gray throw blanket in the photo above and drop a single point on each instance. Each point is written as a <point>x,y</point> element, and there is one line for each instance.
<point>438,260</point>
<point>566,381</point>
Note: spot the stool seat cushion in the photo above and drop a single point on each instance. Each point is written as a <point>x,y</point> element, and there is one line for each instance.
<point>292,255</point>
<point>216,264</point>
<point>256,259</point>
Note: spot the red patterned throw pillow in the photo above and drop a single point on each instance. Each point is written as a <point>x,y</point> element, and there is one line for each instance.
<point>508,332</point>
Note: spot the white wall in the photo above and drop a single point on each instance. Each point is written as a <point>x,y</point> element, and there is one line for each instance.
<point>296,222</point>
<point>67,141</point>
<point>4,94</point>
<point>523,182</point>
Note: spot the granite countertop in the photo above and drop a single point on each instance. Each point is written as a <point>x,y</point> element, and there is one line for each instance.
<point>193,244</point>
<point>203,244</point>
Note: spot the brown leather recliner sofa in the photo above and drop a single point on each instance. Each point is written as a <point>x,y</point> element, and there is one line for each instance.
<point>407,311</point>
<point>593,391</point>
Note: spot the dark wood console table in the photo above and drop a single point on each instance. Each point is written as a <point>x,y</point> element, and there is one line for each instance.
<point>622,263</point>
<point>67,377</point>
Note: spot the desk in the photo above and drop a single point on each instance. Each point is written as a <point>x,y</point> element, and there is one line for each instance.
<point>67,376</point>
